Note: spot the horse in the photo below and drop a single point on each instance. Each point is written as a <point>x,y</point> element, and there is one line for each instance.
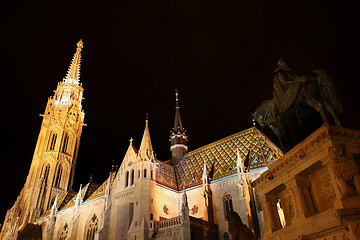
<point>315,90</point>
<point>237,229</point>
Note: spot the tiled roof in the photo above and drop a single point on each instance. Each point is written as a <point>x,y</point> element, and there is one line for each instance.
<point>62,201</point>
<point>220,157</point>
<point>100,191</point>
<point>85,193</point>
<point>165,175</point>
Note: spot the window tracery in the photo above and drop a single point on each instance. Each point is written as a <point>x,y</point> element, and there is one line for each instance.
<point>64,232</point>
<point>92,228</point>
<point>228,204</point>
<point>52,143</point>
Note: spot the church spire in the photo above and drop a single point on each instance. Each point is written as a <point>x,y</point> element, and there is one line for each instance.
<point>177,123</point>
<point>178,136</point>
<point>73,74</point>
<point>146,146</point>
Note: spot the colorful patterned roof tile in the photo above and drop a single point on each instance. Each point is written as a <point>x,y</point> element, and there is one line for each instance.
<point>220,157</point>
<point>85,193</point>
<point>165,174</point>
<point>62,201</point>
<point>100,191</point>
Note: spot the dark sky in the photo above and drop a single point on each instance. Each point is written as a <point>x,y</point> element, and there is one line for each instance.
<point>219,54</point>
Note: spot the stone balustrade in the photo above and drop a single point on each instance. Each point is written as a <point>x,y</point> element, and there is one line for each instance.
<point>166,223</point>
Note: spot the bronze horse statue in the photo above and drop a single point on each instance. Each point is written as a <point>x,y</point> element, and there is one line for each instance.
<point>237,229</point>
<point>292,94</point>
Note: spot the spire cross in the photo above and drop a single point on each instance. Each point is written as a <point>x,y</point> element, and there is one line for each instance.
<point>177,98</point>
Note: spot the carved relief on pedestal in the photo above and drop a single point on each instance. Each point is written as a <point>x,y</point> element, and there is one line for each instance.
<point>345,171</point>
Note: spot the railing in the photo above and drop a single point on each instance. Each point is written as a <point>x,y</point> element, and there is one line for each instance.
<point>200,223</point>
<point>172,222</point>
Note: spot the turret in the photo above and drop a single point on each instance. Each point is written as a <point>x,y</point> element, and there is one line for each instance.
<point>178,136</point>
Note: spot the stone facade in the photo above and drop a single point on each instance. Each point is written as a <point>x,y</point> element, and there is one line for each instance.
<point>186,197</point>
<point>313,191</point>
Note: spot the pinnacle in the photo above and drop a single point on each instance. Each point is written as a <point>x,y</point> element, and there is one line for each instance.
<point>73,74</point>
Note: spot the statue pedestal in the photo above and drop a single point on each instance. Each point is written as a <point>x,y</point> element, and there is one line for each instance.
<point>313,191</point>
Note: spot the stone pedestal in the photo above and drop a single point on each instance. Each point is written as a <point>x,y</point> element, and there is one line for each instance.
<point>316,186</point>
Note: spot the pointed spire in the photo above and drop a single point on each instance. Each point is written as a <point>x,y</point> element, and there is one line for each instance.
<point>177,123</point>
<point>185,205</point>
<point>178,136</point>
<point>146,146</point>
<point>73,74</point>
<point>205,174</point>
<point>53,210</point>
<point>78,200</point>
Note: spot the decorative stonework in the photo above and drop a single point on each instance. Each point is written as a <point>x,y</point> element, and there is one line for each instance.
<point>312,181</point>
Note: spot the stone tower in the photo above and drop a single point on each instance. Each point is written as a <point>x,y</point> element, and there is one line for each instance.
<point>178,136</point>
<point>53,165</point>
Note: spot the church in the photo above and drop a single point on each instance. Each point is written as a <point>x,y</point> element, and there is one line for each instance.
<point>186,197</point>
<point>239,187</point>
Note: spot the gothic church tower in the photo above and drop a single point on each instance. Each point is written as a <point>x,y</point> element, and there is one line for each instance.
<point>53,164</point>
<point>178,136</point>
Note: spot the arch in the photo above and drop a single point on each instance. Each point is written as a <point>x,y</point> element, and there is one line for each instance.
<point>65,143</point>
<point>132,177</point>
<point>92,227</point>
<point>52,141</point>
<point>45,171</point>
<point>58,176</point>
<point>145,173</point>
<point>63,232</point>
<point>228,205</point>
<point>127,178</point>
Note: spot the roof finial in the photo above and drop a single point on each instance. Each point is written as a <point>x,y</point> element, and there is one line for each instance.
<point>253,122</point>
<point>147,118</point>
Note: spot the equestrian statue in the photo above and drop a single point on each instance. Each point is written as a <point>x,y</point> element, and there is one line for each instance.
<point>300,103</point>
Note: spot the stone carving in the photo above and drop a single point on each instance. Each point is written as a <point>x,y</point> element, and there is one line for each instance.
<point>194,209</point>
<point>166,209</point>
<point>237,229</point>
<point>290,114</point>
<point>345,171</point>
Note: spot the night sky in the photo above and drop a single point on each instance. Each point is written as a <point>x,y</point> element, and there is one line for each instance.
<point>220,55</point>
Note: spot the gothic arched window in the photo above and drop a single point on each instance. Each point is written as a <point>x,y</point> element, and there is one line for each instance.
<point>145,171</point>
<point>46,171</point>
<point>64,147</point>
<point>58,176</point>
<point>52,142</point>
<point>64,232</point>
<point>92,228</point>
<point>228,204</point>
<point>127,178</point>
<point>132,177</point>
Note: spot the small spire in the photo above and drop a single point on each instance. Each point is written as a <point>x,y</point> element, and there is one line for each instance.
<point>78,200</point>
<point>146,148</point>
<point>205,174</point>
<point>73,74</point>
<point>177,123</point>
<point>53,210</point>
